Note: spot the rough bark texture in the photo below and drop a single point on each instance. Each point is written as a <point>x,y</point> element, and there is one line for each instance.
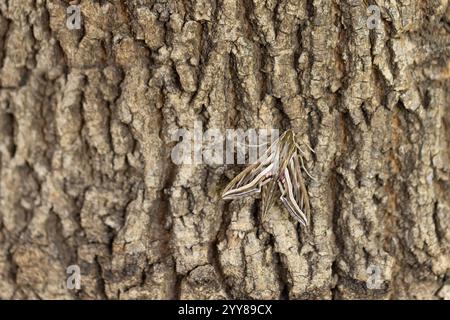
<point>86,118</point>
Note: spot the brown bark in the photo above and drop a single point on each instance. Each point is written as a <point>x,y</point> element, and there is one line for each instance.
<point>85,138</point>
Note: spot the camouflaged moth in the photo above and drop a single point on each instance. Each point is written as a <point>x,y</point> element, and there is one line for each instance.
<point>276,174</point>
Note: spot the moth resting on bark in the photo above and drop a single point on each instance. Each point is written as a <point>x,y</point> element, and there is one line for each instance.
<point>276,174</point>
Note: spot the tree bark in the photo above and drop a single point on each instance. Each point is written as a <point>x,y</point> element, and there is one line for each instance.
<point>86,118</point>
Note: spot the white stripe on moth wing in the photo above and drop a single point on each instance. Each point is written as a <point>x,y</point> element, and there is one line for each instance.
<point>292,212</point>
<point>304,168</point>
<point>242,194</point>
<point>250,184</point>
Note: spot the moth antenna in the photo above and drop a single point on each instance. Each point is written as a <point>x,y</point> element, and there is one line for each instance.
<point>304,168</point>
<point>310,149</point>
<point>299,149</point>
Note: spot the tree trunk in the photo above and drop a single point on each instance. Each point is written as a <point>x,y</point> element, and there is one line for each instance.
<point>87,179</point>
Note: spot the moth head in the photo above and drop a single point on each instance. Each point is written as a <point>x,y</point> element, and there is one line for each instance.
<point>288,136</point>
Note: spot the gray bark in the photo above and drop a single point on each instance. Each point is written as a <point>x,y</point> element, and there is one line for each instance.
<point>86,178</point>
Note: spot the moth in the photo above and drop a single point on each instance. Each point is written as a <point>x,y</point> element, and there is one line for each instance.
<point>276,174</point>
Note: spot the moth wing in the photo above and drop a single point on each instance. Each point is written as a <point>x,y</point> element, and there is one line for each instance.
<point>269,194</point>
<point>238,182</point>
<point>294,195</point>
<point>253,177</point>
<point>301,193</point>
